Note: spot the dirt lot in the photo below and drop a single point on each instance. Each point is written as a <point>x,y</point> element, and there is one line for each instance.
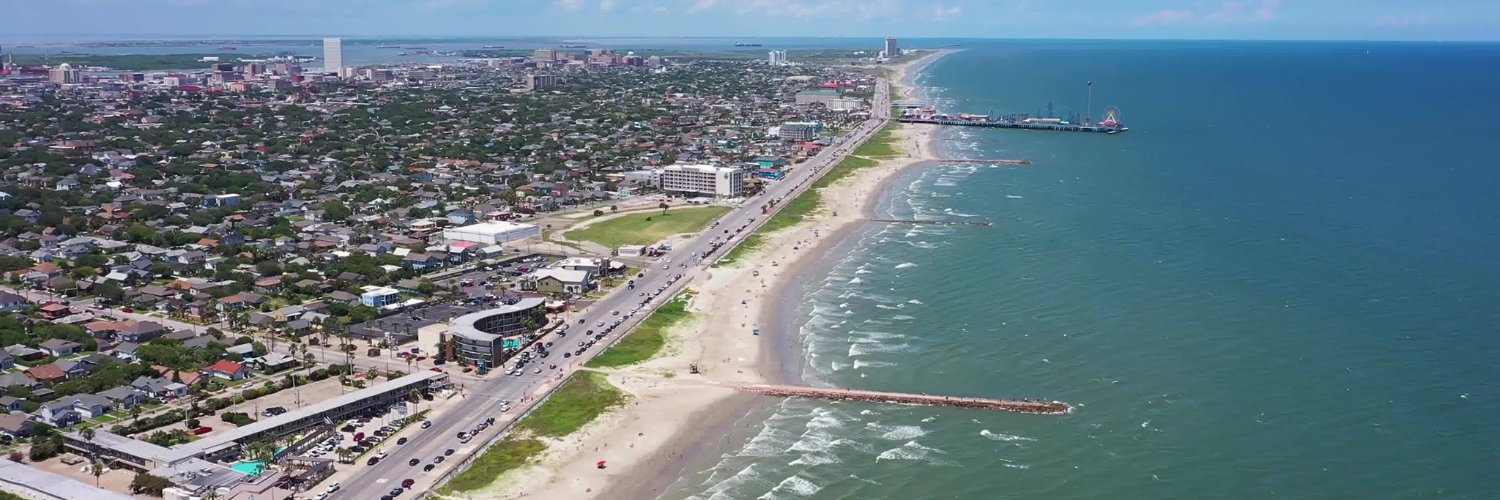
<point>116,480</point>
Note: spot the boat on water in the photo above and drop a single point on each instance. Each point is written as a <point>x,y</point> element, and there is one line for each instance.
<point>388,46</point>
<point>746,45</point>
<point>228,47</point>
<point>573,46</point>
<point>493,47</point>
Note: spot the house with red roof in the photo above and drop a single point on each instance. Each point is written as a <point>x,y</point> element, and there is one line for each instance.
<point>227,369</point>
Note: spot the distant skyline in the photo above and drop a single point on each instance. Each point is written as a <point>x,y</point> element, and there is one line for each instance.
<point>1457,20</point>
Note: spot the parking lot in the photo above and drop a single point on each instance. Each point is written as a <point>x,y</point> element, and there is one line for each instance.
<point>287,399</point>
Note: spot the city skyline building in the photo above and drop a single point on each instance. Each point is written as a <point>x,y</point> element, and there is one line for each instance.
<point>333,55</point>
<point>891,49</point>
<point>777,58</point>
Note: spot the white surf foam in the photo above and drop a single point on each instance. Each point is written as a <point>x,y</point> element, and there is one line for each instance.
<point>1003,436</point>
<point>906,265</point>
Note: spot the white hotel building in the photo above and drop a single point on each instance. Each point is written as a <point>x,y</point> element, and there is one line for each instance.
<point>723,182</point>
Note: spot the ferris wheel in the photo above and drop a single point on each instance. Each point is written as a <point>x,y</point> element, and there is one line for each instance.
<point>1111,117</point>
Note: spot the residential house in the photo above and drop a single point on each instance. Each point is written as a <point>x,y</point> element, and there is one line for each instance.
<point>126,351</point>
<point>12,302</point>
<point>124,396</point>
<point>60,347</point>
<point>227,369</point>
<point>25,353</point>
<point>73,409</point>
<point>15,425</point>
<point>274,362</point>
<point>54,310</point>
<point>74,369</point>
<point>7,361</point>
<point>160,388</point>
<point>138,331</point>
<point>47,374</point>
<point>241,301</point>
<point>10,403</point>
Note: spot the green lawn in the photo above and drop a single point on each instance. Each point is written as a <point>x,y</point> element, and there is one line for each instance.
<point>794,211</point>
<point>647,339</point>
<point>883,145</point>
<point>580,400</point>
<point>636,229</point>
<point>507,455</point>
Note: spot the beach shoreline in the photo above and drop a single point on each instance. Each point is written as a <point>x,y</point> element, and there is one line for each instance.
<point>676,419</point>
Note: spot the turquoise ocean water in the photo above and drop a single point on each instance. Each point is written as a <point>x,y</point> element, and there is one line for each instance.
<point>1281,283</point>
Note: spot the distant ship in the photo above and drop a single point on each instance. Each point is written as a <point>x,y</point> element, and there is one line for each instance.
<point>228,47</point>
<point>746,45</point>
<point>388,47</point>
<point>493,47</point>
<point>574,46</point>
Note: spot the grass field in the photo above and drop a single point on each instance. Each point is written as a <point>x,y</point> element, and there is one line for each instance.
<point>883,145</point>
<point>647,339</point>
<point>801,206</point>
<point>582,399</point>
<point>579,401</point>
<point>647,227</point>
<point>509,454</point>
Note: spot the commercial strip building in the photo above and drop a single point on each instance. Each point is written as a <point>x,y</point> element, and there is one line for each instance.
<point>709,180</point>
<point>491,233</point>
<point>479,338</point>
<point>191,466</point>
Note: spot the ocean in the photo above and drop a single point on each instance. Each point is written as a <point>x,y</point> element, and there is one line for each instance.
<point>1281,282</point>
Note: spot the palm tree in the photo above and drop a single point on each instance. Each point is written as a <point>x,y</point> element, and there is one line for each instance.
<point>97,469</point>
<point>135,413</point>
<point>88,435</point>
<point>663,206</point>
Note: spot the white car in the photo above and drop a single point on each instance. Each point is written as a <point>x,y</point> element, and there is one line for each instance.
<point>333,487</point>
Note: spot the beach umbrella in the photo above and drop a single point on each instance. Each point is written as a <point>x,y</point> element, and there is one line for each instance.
<point>600,464</point>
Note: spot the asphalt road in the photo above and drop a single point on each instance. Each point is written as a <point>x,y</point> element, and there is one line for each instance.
<point>483,398</point>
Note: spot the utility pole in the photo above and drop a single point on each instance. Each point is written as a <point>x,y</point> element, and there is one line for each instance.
<point>1088,113</point>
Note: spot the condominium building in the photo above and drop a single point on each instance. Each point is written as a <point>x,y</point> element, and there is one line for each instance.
<point>891,50</point>
<point>64,73</point>
<point>777,58</point>
<point>333,56</point>
<point>538,82</point>
<point>703,179</point>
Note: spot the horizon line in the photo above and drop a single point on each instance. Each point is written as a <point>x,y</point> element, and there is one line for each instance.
<point>200,36</point>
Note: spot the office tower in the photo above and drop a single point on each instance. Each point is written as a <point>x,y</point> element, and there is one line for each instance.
<point>333,55</point>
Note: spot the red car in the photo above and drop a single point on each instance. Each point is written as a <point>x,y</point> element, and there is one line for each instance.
<point>127,309</point>
<point>202,430</point>
<point>436,369</point>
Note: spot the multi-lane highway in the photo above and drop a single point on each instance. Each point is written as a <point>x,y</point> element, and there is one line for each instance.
<point>483,399</point>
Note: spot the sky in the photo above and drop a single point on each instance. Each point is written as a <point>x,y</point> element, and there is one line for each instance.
<point>1112,19</point>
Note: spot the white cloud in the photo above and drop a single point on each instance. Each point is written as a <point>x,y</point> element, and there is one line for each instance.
<point>942,13</point>
<point>607,5</point>
<point>702,5</point>
<point>568,5</point>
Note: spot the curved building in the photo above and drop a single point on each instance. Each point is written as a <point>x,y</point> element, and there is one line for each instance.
<point>480,337</point>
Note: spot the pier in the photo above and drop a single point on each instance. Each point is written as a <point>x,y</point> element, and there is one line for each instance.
<point>1014,405</point>
<point>1020,124</point>
<point>935,222</point>
<point>998,161</point>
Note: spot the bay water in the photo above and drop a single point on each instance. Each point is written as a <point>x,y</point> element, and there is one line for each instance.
<point>1281,282</point>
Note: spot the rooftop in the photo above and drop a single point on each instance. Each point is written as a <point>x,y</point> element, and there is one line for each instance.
<point>464,325</point>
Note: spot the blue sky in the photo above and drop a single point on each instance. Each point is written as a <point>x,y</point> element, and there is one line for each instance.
<point>1199,19</point>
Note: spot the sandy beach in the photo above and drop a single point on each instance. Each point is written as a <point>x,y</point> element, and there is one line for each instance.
<point>673,417</point>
